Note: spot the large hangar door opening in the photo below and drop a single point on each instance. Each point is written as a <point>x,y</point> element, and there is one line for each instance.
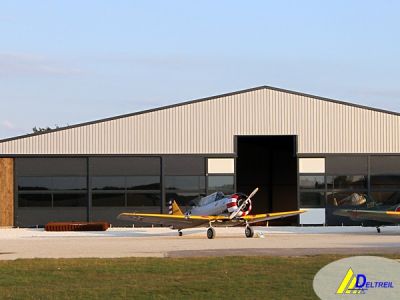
<point>269,162</point>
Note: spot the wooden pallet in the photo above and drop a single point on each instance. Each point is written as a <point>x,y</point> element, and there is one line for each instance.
<point>77,226</point>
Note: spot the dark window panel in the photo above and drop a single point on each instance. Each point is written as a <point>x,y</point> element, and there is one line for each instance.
<point>110,200</point>
<point>140,199</point>
<point>348,199</point>
<point>385,165</point>
<point>346,165</point>
<point>312,182</point>
<point>184,198</point>
<point>312,199</point>
<point>221,183</point>
<point>351,182</point>
<point>184,165</point>
<point>70,200</point>
<point>51,183</point>
<point>50,166</point>
<point>227,192</point>
<point>69,183</point>
<point>108,183</point>
<point>124,166</point>
<point>385,182</point>
<point>186,183</point>
<point>143,183</point>
<point>386,198</point>
<point>34,200</point>
<point>34,183</point>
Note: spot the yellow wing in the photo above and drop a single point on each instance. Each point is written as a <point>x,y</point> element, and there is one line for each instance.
<point>176,221</point>
<point>394,213</point>
<point>272,216</point>
<point>226,221</point>
<point>373,215</point>
<point>183,221</point>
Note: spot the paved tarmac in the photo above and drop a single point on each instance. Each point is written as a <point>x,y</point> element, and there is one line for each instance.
<point>163,242</point>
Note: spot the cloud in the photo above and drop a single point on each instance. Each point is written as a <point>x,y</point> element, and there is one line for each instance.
<point>7,124</point>
<point>170,61</point>
<point>10,129</point>
<point>17,64</point>
<point>5,18</point>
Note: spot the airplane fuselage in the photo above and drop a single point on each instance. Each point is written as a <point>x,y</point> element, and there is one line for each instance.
<point>218,207</point>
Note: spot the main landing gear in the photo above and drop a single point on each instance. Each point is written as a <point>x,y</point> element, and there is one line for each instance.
<point>249,231</point>
<point>378,229</point>
<point>179,232</point>
<point>210,233</point>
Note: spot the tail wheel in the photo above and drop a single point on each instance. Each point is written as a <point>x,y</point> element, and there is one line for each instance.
<point>210,233</point>
<point>179,233</point>
<point>249,232</point>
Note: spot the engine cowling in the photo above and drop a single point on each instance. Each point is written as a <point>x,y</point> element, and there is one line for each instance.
<point>236,201</point>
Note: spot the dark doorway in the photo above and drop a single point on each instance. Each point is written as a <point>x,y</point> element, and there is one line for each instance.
<point>270,163</point>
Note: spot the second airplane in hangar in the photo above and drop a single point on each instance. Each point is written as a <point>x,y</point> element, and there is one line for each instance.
<point>213,210</point>
<point>379,216</point>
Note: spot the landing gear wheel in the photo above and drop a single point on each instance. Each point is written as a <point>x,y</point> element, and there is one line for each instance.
<point>179,233</point>
<point>378,229</point>
<point>249,232</point>
<point>210,233</point>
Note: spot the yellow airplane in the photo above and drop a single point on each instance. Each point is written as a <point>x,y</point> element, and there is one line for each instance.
<point>215,210</point>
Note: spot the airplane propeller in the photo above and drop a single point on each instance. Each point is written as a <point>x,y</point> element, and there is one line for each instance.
<point>236,212</point>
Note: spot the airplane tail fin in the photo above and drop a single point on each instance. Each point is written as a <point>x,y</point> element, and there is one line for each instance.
<point>173,208</point>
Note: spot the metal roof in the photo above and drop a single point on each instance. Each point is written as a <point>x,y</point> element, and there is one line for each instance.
<point>201,100</point>
<point>208,125</point>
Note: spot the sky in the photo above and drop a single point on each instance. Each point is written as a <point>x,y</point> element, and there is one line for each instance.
<point>67,62</point>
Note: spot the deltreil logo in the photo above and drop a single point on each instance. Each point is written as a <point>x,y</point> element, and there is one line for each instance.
<point>358,284</point>
<point>359,277</point>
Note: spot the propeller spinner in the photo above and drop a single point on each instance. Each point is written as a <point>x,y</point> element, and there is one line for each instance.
<point>245,202</point>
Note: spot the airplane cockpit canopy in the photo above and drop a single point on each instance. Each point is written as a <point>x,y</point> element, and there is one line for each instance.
<point>210,198</point>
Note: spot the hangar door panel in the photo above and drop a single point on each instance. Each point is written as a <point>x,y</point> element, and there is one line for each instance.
<point>268,162</point>
<point>50,190</point>
<point>124,184</point>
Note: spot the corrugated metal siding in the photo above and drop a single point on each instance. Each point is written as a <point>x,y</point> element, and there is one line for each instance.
<point>209,127</point>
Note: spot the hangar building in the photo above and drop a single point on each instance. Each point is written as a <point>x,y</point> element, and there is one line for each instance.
<point>302,151</point>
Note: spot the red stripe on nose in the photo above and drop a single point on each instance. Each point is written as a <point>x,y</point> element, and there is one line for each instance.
<point>231,204</point>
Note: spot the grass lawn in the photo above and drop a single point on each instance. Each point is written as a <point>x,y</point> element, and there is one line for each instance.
<point>162,278</point>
